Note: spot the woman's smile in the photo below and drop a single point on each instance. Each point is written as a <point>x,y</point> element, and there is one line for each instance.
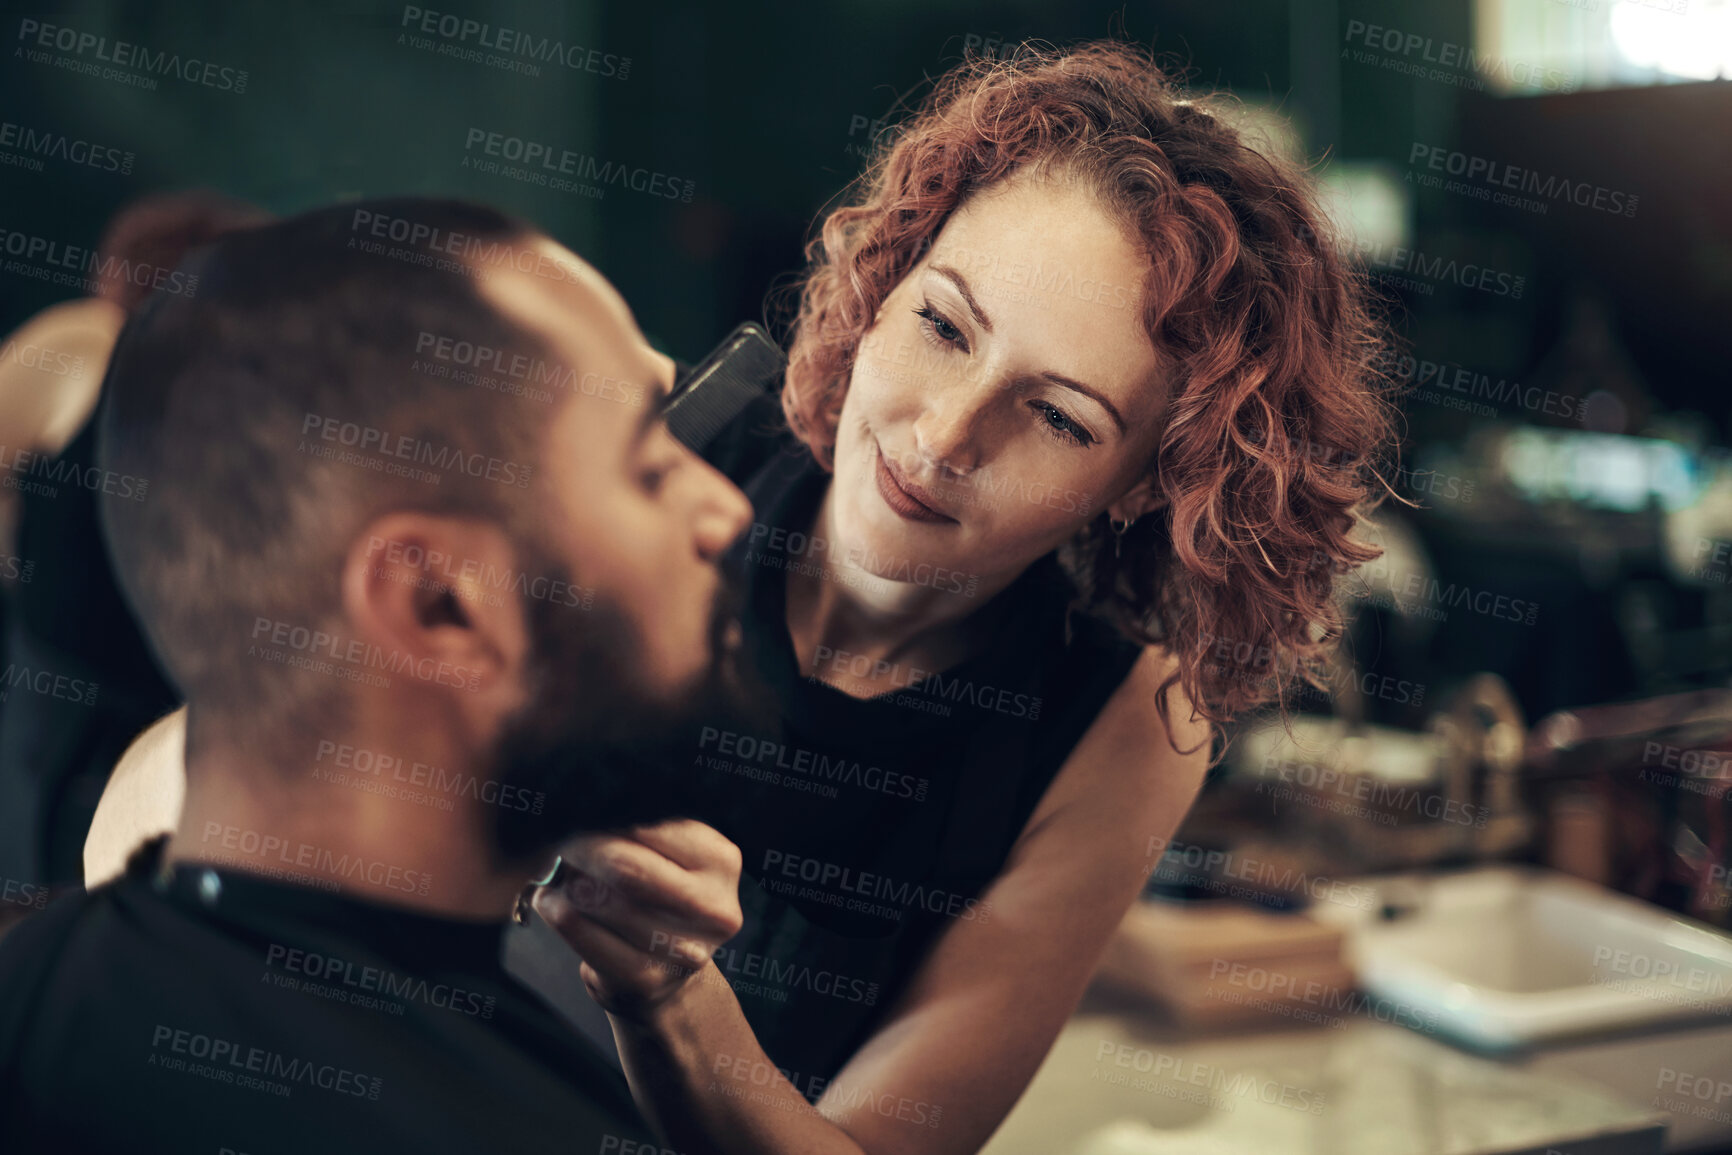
<point>907,500</point>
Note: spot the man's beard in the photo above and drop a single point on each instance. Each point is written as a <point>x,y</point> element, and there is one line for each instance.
<point>596,749</point>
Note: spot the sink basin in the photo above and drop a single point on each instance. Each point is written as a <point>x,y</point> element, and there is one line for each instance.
<point>1507,957</point>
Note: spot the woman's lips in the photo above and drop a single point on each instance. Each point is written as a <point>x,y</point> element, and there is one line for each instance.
<point>897,495</point>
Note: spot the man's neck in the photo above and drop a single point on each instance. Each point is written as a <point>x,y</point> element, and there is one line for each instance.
<point>357,831</point>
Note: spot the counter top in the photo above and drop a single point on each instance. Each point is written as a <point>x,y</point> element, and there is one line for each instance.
<point>1120,1082</point>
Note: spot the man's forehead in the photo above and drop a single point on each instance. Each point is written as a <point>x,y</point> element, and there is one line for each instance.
<point>611,372</point>
<point>551,289</point>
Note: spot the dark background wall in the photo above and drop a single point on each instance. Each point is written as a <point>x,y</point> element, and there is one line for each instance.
<point>768,109</point>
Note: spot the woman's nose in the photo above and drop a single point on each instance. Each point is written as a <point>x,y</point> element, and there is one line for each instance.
<point>947,432</point>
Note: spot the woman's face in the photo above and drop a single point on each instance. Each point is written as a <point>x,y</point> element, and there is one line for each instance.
<point>1005,395</point>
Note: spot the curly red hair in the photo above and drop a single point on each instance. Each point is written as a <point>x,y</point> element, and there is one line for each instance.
<point>1278,422</point>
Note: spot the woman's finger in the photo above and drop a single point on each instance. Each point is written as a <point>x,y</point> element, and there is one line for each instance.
<point>650,927</point>
<point>643,876</point>
<point>692,844</point>
<point>632,953</point>
<point>633,870</point>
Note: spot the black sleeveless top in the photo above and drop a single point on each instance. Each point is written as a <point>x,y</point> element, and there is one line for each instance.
<point>867,826</point>
<point>876,823</point>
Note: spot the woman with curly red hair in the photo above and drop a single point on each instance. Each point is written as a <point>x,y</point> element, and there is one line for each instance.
<point>1078,420</point>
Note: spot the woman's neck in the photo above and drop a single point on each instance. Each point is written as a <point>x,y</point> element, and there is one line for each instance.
<point>833,610</point>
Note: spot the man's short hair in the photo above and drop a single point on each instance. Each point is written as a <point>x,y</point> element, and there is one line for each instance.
<point>309,381</point>
<point>145,240</point>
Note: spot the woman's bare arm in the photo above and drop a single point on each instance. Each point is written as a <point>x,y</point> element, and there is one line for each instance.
<point>983,1009</point>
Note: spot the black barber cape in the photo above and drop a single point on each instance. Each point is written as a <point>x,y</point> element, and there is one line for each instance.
<point>203,1010</point>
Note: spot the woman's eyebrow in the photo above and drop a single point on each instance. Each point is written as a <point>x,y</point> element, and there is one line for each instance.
<point>956,278</point>
<point>1087,391</point>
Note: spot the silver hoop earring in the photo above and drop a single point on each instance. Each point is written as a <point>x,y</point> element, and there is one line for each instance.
<point>1119,525</point>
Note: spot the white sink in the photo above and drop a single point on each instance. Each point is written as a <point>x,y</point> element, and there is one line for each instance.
<point>1507,957</point>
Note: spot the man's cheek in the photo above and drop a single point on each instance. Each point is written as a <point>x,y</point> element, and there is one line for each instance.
<point>658,614</point>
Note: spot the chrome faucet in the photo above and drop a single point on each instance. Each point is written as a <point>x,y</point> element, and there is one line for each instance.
<point>1484,726</point>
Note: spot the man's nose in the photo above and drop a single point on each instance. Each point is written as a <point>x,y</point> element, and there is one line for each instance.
<point>723,513</point>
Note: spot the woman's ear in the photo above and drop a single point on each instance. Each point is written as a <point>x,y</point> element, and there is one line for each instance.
<point>1145,496</point>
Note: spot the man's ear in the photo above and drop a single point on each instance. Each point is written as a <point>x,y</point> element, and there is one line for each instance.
<point>1145,496</point>
<point>425,586</point>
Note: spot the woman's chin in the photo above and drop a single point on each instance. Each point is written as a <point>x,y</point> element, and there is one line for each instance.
<point>884,547</point>
<point>869,527</point>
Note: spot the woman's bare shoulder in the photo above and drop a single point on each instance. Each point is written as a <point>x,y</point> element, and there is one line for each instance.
<point>142,799</point>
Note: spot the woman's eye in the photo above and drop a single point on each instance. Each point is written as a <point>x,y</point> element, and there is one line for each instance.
<point>933,324</point>
<point>651,479</point>
<point>1055,422</point>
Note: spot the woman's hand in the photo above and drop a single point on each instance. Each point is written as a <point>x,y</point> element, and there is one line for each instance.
<point>962,1040</point>
<point>646,910</point>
